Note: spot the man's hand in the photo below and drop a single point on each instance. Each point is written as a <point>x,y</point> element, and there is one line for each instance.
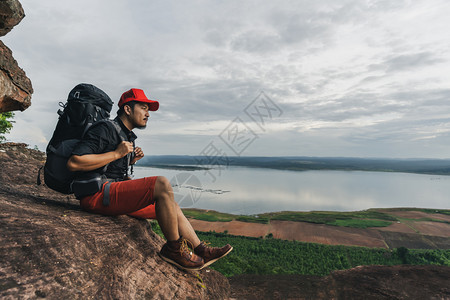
<point>124,148</point>
<point>138,155</point>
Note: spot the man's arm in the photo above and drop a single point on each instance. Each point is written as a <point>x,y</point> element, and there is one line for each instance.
<point>91,162</point>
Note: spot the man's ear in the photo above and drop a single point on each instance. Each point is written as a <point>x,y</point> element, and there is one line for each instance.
<point>127,109</point>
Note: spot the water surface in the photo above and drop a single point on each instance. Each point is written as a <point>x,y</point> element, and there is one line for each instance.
<point>241,190</point>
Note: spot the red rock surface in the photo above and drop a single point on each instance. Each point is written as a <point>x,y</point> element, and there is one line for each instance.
<point>15,87</point>
<point>11,13</point>
<point>374,282</point>
<point>49,248</point>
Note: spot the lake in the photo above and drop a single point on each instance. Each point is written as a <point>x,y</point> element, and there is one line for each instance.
<point>241,190</point>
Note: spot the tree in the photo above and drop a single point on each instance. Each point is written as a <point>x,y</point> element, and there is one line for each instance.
<point>402,253</point>
<point>5,123</point>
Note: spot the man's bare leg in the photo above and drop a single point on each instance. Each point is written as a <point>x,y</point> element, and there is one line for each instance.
<point>166,209</point>
<point>185,228</point>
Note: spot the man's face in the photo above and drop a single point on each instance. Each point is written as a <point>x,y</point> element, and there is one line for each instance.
<point>139,115</point>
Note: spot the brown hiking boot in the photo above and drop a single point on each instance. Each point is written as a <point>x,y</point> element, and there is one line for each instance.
<point>211,254</point>
<point>179,254</point>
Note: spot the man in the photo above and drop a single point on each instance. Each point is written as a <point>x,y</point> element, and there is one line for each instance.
<point>107,149</point>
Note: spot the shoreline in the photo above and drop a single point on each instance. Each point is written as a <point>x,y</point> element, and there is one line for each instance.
<point>429,166</point>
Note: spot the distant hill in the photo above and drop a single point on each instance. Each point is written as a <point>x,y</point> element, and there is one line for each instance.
<point>303,163</point>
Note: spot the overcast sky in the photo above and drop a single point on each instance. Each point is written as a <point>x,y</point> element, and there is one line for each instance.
<point>339,78</point>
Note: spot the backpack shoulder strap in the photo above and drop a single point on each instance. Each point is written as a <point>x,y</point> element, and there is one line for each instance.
<point>114,124</point>
<point>123,137</point>
<point>118,129</point>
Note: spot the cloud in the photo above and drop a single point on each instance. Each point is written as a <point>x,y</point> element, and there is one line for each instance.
<point>256,41</point>
<point>406,62</point>
<point>351,77</point>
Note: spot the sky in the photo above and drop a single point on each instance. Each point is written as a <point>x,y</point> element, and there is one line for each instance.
<point>251,78</point>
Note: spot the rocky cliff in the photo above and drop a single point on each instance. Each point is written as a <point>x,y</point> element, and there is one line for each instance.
<point>50,248</point>
<point>15,87</point>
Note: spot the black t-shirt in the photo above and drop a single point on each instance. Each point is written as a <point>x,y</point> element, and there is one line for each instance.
<point>103,137</point>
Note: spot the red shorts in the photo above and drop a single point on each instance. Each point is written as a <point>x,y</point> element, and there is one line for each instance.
<point>131,197</point>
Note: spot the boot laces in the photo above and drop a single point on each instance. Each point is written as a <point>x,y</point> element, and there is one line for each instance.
<point>185,247</point>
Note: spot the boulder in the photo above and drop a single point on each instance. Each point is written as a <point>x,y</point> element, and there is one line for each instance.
<point>15,87</point>
<point>52,249</point>
<point>11,13</point>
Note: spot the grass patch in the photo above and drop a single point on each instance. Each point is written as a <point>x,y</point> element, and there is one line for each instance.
<point>329,216</point>
<point>155,227</point>
<point>357,219</point>
<point>253,219</point>
<point>361,223</point>
<point>207,215</point>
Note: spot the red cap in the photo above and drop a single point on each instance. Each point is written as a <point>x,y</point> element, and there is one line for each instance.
<point>138,95</point>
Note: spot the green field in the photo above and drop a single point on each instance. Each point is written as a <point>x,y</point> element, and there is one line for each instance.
<point>208,215</point>
<point>356,219</point>
<point>274,256</point>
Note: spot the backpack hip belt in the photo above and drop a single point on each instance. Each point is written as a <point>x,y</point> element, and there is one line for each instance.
<point>87,187</point>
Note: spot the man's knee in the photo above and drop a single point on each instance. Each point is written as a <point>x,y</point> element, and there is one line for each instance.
<point>163,188</point>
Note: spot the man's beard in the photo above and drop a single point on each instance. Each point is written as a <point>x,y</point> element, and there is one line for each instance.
<point>139,126</point>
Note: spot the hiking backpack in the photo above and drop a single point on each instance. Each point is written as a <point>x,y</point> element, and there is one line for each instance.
<point>86,104</point>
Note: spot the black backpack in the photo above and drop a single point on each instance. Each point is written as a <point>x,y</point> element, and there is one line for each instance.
<point>86,104</point>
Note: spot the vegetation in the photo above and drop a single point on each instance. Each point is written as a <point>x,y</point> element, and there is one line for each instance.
<point>359,219</point>
<point>5,124</point>
<point>156,229</point>
<point>274,256</point>
<point>356,223</point>
<point>355,219</point>
<point>208,215</point>
<point>254,219</point>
